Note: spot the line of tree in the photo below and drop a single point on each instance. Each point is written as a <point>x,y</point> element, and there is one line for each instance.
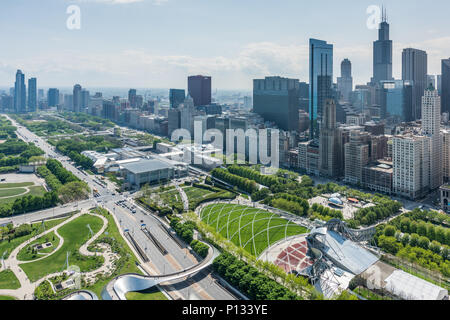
<point>184,229</point>
<point>370,215</point>
<point>29,203</point>
<point>255,285</point>
<point>52,181</point>
<point>63,175</point>
<point>251,174</point>
<point>81,160</point>
<point>422,228</point>
<point>244,184</point>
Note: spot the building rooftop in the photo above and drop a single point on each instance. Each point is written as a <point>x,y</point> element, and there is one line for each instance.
<point>146,166</point>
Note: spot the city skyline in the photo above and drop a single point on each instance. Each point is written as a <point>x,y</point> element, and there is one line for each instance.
<point>133,53</point>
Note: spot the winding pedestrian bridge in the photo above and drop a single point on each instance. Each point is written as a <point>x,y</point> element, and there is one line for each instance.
<point>117,288</point>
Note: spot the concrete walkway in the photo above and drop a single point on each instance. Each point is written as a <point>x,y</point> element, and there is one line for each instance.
<point>27,288</point>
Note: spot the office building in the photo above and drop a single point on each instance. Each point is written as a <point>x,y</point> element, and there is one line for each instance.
<point>397,101</point>
<point>276,99</point>
<point>431,123</point>
<point>304,96</point>
<point>415,69</point>
<point>199,88</point>
<point>132,98</point>
<point>174,120</point>
<point>32,95</point>
<point>85,97</point>
<point>77,99</point>
<point>20,93</point>
<point>320,81</point>
<point>382,53</point>
<point>187,113</point>
<point>176,97</point>
<point>356,155</point>
<point>328,160</point>
<point>411,161</point>
<point>444,85</point>
<point>439,84</point>
<point>431,82</point>
<point>345,81</point>
<point>53,97</point>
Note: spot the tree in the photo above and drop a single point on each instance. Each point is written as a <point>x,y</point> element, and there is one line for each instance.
<point>424,242</point>
<point>389,231</point>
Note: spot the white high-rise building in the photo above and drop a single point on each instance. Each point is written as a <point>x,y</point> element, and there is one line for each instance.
<point>431,124</point>
<point>411,159</point>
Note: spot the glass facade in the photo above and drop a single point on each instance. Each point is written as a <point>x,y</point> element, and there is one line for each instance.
<point>320,79</point>
<point>397,100</point>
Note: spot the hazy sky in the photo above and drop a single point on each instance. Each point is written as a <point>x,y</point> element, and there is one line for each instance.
<point>158,43</point>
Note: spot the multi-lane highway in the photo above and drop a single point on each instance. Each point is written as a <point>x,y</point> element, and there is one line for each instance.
<point>131,219</point>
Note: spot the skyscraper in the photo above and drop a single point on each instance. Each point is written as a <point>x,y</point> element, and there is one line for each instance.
<point>382,54</point>
<point>53,97</point>
<point>20,94</point>
<point>328,147</point>
<point>320,80</point>
<point>176,97</point>
<point>431,125</point>
<point>415,68</point>
<point>32,95</point>
<point>276,99</point>
<point>445,85</point>
<point>431,81</point>
<point>397,100</point>
<point>345,81</point>
<point>199,88</point>
<point>77,98</point>
<point>132,98</point>
<point>85,97</point>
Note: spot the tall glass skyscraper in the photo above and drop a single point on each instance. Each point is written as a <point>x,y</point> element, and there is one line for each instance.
<point>415,68</point>
<point>176,97</point>
<point>320,80</point>
<point>199,88</point>
<point>20,94</point>
<point>382,54</point>
<point>32,95</point>
<point>445,85</point>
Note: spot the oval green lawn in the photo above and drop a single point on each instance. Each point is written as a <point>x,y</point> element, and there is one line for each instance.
<point>251,228</point>
<point>26,255</point>
<point>75,234</point>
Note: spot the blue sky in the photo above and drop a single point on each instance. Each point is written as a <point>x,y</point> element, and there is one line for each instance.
<point>158,43</point>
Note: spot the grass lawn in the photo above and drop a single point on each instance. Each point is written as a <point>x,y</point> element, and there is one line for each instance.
<point>9,246</point>
<point>130,263</point>
<point>7,298</point>
<point>149,294</point>
<point>27,255</point>
<point>8,280</point>
<point>75,234</point>
<point>16,185</point>
<point>250,228</point>
<point>369,295</point>
<point>11,192</point>
<point>196,195</point>
<point>34,191</point>
<point>171,197</point>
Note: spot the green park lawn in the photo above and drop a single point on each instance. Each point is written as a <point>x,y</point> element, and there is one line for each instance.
<point>12,192</point>
<point>10,195</point>
<point>196,195</point>
<point>26,253</point>
<point>250,228</point>
<point>130,260</point>
<point>38,228</point>
<point>8,280</point>
<point>7,298</point>
<point>171,197</point>
<point>15,185</point>
<point>75,234</point>
<point>149,294</point>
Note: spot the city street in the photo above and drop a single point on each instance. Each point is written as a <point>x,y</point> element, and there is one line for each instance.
<point>201,286</point>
